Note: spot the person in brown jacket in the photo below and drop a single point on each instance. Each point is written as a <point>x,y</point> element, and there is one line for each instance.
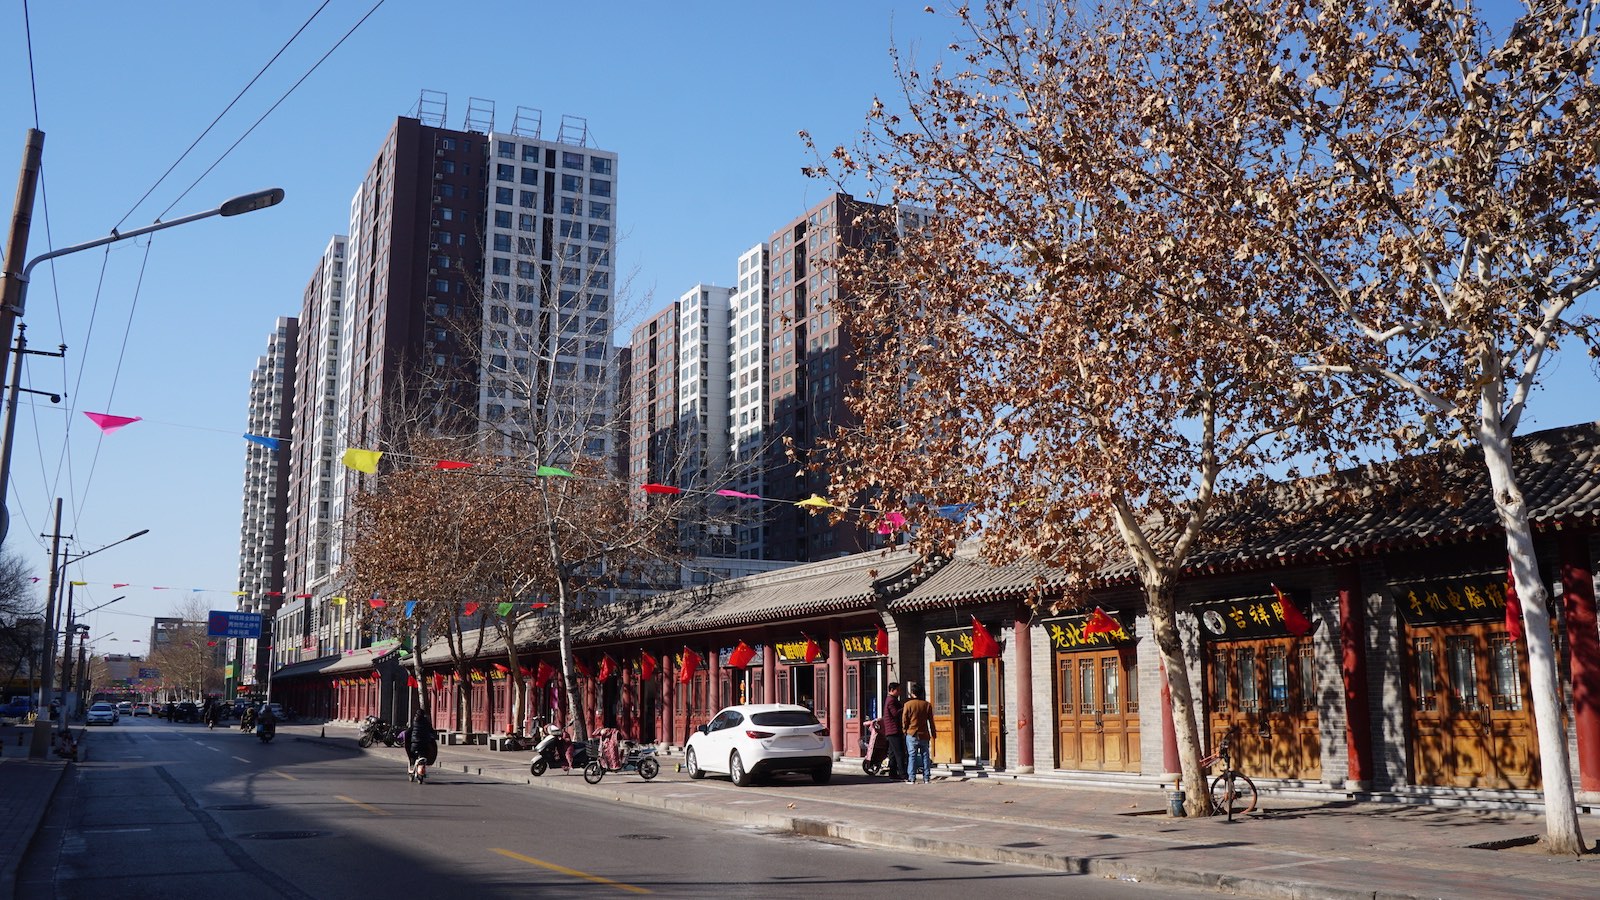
<point>916,718</point>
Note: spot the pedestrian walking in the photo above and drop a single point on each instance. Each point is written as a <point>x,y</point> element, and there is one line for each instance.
<point>422,745</point>
<point>889,727</point>
<point>916,718</point>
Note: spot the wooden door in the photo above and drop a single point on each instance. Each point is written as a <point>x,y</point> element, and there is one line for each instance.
<point>1263,693</point>
<point>941,693</point>
<point>997,714</point>
<point>1098,694</point>
<point>1470,710</point>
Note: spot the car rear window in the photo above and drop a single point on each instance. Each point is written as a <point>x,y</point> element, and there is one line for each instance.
<point>784,718</point>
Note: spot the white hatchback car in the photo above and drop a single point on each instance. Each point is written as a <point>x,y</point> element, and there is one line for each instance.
<point>760,739</point>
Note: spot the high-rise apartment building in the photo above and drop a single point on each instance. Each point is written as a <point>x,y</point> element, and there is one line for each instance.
<point>263,519</point>
<point>747,386</point>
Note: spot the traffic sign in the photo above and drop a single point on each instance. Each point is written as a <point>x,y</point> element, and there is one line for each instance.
<point>227,623</point>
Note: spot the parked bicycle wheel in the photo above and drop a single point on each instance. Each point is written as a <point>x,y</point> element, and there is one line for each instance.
<point>649,768</point>
<point>365,741</point>
<point>593,772</point>
<point>1233,793</point>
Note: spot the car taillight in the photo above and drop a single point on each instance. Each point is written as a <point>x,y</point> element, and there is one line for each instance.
<point>821,732</point>
<point>757,735</point>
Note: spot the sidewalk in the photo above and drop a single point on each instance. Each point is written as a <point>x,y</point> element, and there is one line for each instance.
<point>1293,849</point>
<point>26,787</point>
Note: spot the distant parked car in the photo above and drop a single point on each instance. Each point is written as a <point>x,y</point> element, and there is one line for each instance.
<point>18,708</point>
<point>143,709</point>
<point>102,713</point>
<point>761,739</point>
<point>125,708</point>
<point>186,712</point>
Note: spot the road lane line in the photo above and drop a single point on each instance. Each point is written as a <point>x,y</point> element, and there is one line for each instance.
<point>597,879</point>
<point>366,806</point>
<point>243,760</point>
<point>279,774</point>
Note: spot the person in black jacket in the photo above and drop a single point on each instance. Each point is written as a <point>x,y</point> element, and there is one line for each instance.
<point>422,745</point>
<point>889,725</point>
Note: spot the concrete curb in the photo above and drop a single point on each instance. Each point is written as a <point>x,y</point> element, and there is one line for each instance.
<point>828,829</point>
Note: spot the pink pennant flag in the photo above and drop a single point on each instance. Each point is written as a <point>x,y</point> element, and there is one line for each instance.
<point>34,579</point>
<point>117,585</point>
<point>738,494</point>
<point>891,523</point>
<point>160,588</point>
<point>109,423</point>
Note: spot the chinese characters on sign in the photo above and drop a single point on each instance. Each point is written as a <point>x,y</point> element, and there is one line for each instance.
<point>860,644</point>
<point>227,623</point>
<point>953,643</point>
<point>1068,633</point>
<point>1246,617</point>
<point>793,652</point>
<point>1449,601</point>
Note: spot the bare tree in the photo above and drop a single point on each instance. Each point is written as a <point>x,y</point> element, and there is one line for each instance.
<point>1073,336</point>
<point>21,614</point>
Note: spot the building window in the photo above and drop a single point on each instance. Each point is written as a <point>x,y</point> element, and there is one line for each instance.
<point>499,315</point>
<point>502,218</point>
<point>499,265</point>
<point>506,150</point>
<point>600,256</point>
<point>570,229</point>
<point>448,167</point>
<point>524,269</point>
<point>524,222</point>
<point>569,206</point>
<point>530,153</point>
<point>502,242</point>
<point>530,176</point>
<point>442,286</point>
<point>570,160</point>
<point>599,210</point>
<point>526,200</point>
<point>448,143</point>
<point>573,183</point>
<point>601,233</point>
<point>503,172</point>
<point>504,195</point>
<point>599,165</point>
<point>599,187</point>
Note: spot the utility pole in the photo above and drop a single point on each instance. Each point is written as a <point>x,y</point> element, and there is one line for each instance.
<point>11,291</point>
<point>41,727</point>
<point>66,656</point>
<point>14,388</point>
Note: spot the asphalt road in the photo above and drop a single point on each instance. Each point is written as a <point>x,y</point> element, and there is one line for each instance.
<point>177,810</point>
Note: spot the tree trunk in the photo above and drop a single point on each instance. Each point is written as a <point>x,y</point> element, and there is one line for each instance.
<point>1160,603</point>
<point>1562,834</point>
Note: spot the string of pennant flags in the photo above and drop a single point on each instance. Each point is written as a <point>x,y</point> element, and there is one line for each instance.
<point>366,461</point>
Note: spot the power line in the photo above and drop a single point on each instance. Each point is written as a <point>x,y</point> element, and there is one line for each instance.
<point>237,97</point>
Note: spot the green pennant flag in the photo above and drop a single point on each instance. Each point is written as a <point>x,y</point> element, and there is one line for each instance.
<point>505,608</point>
<point>552,471</point>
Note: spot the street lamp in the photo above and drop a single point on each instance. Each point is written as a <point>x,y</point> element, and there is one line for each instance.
<point>40,737</point>
<point>14,300</point>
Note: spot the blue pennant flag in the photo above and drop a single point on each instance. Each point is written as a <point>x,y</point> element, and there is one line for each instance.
<point>271,443</point>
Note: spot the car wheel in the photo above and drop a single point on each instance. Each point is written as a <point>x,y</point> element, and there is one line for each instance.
<point>693,764</point>
<point>538,766</point>
<point>822,775</point>
<point>736,770</point>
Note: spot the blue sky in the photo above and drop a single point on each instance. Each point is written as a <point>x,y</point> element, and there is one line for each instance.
<point>702,100</point>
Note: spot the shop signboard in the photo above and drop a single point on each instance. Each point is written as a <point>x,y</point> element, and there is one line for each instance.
<point>1451,600</point>
<point>793,651</point>
<point>1067,633</point>
<point>955,643</point>
<point>860,644</point>
<point>1245,618</point>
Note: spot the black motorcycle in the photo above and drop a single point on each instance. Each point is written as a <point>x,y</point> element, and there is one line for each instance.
<point>551,752</point>
<point>374,731</point>
<point>266,731</point>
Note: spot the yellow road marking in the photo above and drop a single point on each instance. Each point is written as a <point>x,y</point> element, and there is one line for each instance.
<point>366,806</point>
<point>597,879</point>
<point>284,775</point>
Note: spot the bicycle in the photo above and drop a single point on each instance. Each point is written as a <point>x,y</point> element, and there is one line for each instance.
<point>1230,788</point>
<point>639,758</point>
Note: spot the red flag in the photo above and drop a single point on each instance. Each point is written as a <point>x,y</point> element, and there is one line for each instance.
<point>691,662</point>
<point>647,666</point>
<point>544,674</point>
<point>274,593</point>
<point>411,681</point>
<point>741,656</point>
<point>813,649</point>
<point>376,602</point>
<point>451,464</point>
<point>608,667</point>
<point>984,645</point>
<point>1513,605</point>
<point>500,667</point>
<point>1293,619</point>
<point>1101,623</point>
<point>211,643</point>
<point>660,489</point>
<point>469,609</point>
<point>438,681</point>
<point>524,671</point>
<point>302,596</point>
<point>582,667</point>
<point>880,644</point>
<point>374,676</point>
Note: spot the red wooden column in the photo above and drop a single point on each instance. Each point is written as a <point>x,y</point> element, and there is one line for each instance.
<point>836,687</point>
<point>669,699</point>
<point>1583,643</point>
<point>1022,640</point>
<point>1353,666</point>
<point>769,671</point>
<point>714,680</point>
<point>1169,730</point>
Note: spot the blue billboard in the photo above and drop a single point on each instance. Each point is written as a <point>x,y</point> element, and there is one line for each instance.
<point>222,623</point>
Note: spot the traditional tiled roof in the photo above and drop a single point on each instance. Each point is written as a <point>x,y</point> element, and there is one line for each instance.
<point>966,578</point>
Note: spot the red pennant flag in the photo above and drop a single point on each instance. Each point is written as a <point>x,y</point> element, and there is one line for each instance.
<point>608,667</point>
<point>117,585</point>
<point>881,642</point>
<point>438,681</point>
<point>376,602</point>
<point>500,667</point>
<point>1100,622</point>
<point>741,656</point>
<point>984,645</point>
<point>469,609</point>
<point>582,667</point>
<point>211,643</point>
<point>411,681</point>
<point>1293,619</point>
<point>451,464</point>
<point>544,674</point>
<point>1513,605</point>
<point>524,671</point>
<point>660,489</point>
<point>813,649</point>
<point>691,662</point>
<point>538,604</point>
<point>647,666</point>
<point>274,593</point>
<point>302,596</point>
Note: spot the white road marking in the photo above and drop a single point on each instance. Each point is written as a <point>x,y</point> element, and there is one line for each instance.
<point>242,759</point>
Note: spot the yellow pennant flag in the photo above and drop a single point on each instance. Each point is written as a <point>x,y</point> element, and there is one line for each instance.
<point>240,593</point>
<point>336,601</point>
<point>363,460</point>
<point>815,502</point>
<point>81,583</point>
